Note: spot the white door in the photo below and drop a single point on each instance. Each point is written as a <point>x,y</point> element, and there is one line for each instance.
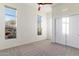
<point>60,38</point>
<point>73,38</point>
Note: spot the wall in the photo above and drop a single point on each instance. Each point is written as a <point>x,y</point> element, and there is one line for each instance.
<point>26,26</point>
<point>50,24</point>
<point>50,29</point>
<point>65,9</point>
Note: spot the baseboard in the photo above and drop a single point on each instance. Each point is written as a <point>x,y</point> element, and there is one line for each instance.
<point>20,45</point>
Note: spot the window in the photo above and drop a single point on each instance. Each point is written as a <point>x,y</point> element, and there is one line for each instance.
<point>39,28</point>
<point>10,22</point>
<point>65,25</point>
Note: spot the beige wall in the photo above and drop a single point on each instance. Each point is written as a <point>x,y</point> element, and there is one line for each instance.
<point>26,26</point>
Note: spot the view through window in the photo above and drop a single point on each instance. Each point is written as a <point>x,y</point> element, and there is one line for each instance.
<point>39,27</point>
<point>10,22</point>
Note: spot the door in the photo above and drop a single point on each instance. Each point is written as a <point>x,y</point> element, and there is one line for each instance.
<point>73,38</point>
<point>60,38</point>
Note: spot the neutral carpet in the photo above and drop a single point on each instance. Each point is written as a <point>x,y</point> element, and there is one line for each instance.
<point>41,48</point>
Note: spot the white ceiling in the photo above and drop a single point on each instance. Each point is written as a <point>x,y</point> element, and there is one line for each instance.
<point>46,8</point>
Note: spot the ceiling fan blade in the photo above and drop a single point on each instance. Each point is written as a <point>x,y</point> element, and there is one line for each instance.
<point>44,3</point>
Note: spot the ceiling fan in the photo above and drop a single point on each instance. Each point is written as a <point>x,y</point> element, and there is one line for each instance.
<point>44,3</point>
<point>39,5</point>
